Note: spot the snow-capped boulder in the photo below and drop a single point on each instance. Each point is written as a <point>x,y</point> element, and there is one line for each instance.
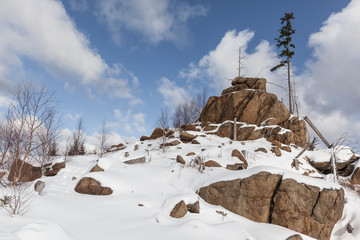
<point>241,83</point>
<point>54,169</point>
<point>186,137</point>
<point>267,197</point>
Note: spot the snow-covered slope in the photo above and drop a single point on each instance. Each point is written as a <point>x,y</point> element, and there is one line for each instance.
<point>144,195</point>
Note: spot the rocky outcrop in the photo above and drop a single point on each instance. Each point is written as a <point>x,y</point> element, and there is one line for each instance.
<point>265,197</point>
<point>115,148</point>
<point>248,102</point>
<point>23,172</point>
<point>271,133</point>
<point>54,169</point>
<point>91,186</point>
<point>248,106</point>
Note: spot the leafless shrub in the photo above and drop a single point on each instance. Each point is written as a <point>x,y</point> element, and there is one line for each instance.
<point>17,199</point>
<point>163,122</point>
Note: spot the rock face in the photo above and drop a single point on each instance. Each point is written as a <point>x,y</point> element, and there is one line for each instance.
<point>136,161</point>
<point>305,209</point>
<point>252,107</point>
<point>248,102</point>
<point>91,186</point>
<point>24,172</point>
<point>265,197</point>
<point>355,178</point>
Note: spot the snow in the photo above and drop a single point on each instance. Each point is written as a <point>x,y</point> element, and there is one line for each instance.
<point>144,194</point>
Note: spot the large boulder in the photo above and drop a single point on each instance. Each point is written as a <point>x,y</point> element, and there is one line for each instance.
<point>267,198</point>
<point>186,137</point>
<point>252,107</point>
<point>23,172</point>
<point>179,210</point>
<point>306,209</point>
<point>91,186</point>
<point>250,197</point>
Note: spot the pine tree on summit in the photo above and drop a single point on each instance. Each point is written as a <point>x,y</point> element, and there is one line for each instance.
<point>284,41</point>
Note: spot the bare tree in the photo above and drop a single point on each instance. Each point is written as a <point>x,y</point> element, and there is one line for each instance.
<point>47,135</point>
<point>78,139</point>
<point>163,122</point>
<point>176,117</point>
<point>103,137</point>
<point>33,106</point>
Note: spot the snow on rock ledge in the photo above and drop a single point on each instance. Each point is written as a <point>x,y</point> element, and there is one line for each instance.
<point>278,199</point>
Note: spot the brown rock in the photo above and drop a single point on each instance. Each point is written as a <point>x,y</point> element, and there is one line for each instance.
<point>136,147</point>
<point>186,137</point>
<point>277,151</point>
<point>24,172</point>
<point>158,132</point>
<point>295,237</point>
<point>194,208</point>
<point>261,149</point>
<point>298,127</point>
<point>179,210</point>
<point>188,127</point>
<point>355,178</point>
<point>302,208</point>
<point>236,166</point>
<point>91,186</point>
<point>249,197</point>
<point>244,133</point>
<point>252,107</point>
<point>126,154</point>
<point>144,138</point>
<point>170,133</point>
<point>180,159</point>
<point>97,168</point>
<point>212,163</point>
<point>209,128</point>
<point>239,155</point>
<point>252,83</point>
<point>286,148</point>
<point>326,166</point>
<point>174,143</point>
<point>54,169</point>
<point>194,141</point>
<point>136,161</point>
<point>191,154</point>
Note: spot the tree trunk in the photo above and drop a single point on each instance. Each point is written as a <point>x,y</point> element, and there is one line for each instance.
<point>289,82</point>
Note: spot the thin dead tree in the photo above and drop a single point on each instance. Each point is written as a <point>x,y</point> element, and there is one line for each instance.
<point>163,122</point>
<point>103,138</point>
<point>176,117</point>
<point>78,139</point>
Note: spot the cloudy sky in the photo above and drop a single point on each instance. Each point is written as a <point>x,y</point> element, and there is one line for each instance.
<point>121,61</point>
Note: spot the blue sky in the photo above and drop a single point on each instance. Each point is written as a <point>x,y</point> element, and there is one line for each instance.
<point>121,61</point>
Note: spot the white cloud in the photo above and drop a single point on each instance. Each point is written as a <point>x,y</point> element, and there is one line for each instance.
<point>221,64</point>
<point>173,95</point>
<point>132,123</point>
<point>330,87</point>
<point>156,20</point>
<point>43,32</point>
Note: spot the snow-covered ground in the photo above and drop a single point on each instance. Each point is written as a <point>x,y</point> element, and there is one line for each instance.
<point>144,195</point>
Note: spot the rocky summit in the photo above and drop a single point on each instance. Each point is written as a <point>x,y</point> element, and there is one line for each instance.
<point>248,102</point>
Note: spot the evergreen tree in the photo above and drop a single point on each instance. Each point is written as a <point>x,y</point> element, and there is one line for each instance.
<point>284,42</point>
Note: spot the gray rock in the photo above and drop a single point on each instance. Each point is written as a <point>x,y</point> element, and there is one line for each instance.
<point>39,186</point>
